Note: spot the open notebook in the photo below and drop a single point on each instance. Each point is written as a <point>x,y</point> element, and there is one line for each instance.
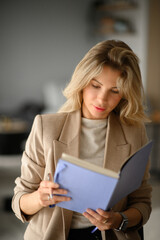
<point>90,186</point>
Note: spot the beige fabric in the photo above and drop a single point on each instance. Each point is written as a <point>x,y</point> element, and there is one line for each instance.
<point>92,145</point>
<point>53,134</point>
<point>92,140</point>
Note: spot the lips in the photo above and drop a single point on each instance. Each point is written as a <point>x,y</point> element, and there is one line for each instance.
<point>99,109</point>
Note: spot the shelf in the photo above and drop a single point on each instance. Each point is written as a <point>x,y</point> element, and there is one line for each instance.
<point>117,7</point>
<point>108,19</point>
<point>127,33</point>
<point>10,161</point>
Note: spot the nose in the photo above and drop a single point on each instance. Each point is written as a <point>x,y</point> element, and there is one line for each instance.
<point>102,97</point>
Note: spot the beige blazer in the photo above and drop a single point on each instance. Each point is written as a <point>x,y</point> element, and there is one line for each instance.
<point>53,134</point>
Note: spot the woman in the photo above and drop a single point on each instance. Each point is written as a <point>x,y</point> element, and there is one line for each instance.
<point>101,122</point>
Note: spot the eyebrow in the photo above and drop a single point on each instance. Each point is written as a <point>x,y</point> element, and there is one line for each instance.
<point>97,81</point>
<point>102,84</point>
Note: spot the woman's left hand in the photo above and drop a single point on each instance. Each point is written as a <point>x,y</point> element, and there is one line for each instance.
<point>103,220</point>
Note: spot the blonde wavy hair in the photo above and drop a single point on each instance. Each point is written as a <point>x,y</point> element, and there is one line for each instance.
<point>117,55</point>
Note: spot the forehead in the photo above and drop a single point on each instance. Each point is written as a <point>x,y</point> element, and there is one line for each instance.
<point>107,75</point>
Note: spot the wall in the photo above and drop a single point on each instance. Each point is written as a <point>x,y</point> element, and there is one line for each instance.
<point>43,40</point>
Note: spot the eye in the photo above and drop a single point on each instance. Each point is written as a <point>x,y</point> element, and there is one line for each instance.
<point>95,86</point>
<point>116,91</point>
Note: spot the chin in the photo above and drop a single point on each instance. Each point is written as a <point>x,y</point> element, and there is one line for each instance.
<point>99,117</point>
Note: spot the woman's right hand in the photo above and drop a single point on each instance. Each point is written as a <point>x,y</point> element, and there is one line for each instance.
<point>49,188</point>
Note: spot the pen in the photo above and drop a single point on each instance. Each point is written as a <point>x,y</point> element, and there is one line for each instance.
<point>95,229</point>
<point>49,176</point>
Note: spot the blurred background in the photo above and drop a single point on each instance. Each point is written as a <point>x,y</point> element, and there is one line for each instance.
<point>41,42</point>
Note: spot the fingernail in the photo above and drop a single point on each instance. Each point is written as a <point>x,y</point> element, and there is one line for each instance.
<point>56,185</point>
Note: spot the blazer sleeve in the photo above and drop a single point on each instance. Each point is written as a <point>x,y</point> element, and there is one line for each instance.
<point>32,168</point>
<point>141,198</point>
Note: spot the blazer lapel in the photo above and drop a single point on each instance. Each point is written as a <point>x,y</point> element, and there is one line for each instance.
<point>116,148</point>
<point>68,142</point>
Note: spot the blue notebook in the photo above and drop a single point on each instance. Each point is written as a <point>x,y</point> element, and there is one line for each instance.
<point>90,186</point>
